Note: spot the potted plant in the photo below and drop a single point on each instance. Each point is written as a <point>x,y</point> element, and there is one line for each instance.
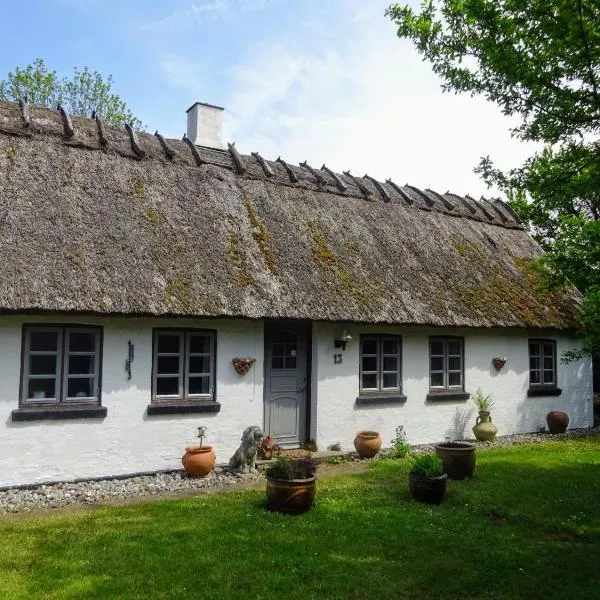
<point>484,429</point>
<point>291,484</point>
<point>367,443</point>
<point>458,458</point>
<point>427,480</point>
<point>199,460</point>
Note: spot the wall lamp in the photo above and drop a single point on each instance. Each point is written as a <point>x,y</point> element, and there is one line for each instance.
<point>342,340</point>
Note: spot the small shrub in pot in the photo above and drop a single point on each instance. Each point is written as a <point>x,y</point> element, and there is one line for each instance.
<point>427,480</point>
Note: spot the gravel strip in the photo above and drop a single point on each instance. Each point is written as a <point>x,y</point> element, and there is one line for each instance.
<point>94,492</point>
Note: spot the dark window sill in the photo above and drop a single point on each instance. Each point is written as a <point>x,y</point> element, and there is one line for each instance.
<point>534,392</point>
<point>39,413</point>
<point>181,407</point>
<point>447,395</point>
<point>375,399</point>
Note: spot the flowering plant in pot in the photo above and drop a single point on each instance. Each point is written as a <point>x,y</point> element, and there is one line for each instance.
<point>199,460</point>
<point>427,480</point>
<point>291,484</point>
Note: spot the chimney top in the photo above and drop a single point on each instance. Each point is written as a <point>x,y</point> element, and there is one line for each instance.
<point>204,104</point>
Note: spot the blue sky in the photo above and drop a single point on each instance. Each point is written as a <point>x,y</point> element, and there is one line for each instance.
<point>326,81</point>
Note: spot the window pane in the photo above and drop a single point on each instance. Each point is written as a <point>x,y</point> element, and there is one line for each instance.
<point>534,362</point>
<point>390,363</point>
<point>534,377</point>
<point>454,347</point>
<point>369,363</point>
<point>42,364</point>
<point>168,343</point>
<point>548,376</point>
<point>369,347</point>
<point>548,349</point>
<point>82,342</point>
<point>454,363</point>
<point>277,362</point>
<point>454,379</point>
<point>80,387</point>
<point>437,363</point>
<point>437,380</point>
<point>290,362</point>
<point>81,365</point>
<point>390,346</point>
<point>43,341</point>
<point>534,349</point>
<point>39,389</point>
<point>199,344</point>
<point>548,362</point>
<point>167,386</point>
<point>437,347</point>
<point>390,380</point>
<point>168,365</point>
<point>278,349</point>
<point>369,381</point>
<point>199,385</point>
<point>199,364</point>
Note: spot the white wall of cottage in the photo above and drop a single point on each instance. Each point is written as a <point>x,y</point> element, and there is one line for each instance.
<point>130,441</point>
<point>127,440</point>
<point>338,417</point>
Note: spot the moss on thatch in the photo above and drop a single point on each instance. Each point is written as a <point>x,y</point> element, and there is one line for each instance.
<point>89,227</point>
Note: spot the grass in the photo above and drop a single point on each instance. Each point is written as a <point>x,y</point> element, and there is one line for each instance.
<point>526,526</point>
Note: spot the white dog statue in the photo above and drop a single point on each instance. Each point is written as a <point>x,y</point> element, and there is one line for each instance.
<point>244,459</point>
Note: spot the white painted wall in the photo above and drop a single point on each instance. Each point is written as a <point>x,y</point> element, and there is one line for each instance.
<point>127,440</point>
<point>336,387</point>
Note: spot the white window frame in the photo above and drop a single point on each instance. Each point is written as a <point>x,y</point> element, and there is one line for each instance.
<point>541,370</point>
<point>61,375</point>
<point>184,374</point>
<point>379,355</point>
<point>445,371</point>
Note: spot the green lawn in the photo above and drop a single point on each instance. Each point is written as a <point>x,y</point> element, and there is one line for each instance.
<point>526,526</point>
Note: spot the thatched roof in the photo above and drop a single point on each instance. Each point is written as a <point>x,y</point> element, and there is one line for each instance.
<point>95,221</point>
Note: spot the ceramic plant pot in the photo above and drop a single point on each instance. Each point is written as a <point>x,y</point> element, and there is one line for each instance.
<point>484,429</point>
<point>292,497</point>
<point>557,421</point>
<point>430,490</point>
<point>458,458</point>
<point>198,461</point>
<point>367,443</point>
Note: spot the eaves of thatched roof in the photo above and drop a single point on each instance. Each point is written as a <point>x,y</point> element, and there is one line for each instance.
<point>96,219</point>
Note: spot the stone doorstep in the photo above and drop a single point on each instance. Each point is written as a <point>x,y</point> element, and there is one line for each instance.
<point>320,456</point>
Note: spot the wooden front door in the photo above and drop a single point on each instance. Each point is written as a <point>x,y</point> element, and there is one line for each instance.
<point>286,382</point>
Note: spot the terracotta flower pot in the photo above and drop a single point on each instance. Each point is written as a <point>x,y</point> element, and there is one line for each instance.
<point>367,443</point>
<point>458,458</point>
<point>557,421</point>
<point>430,490</point>
<point>198,461</point>
<point>291,497</point>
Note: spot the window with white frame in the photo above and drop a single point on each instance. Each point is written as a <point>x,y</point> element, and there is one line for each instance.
<point>380,363</point>
<point>542,363</point>
<point>183,365</point>
<point>61,365</point>
<point>446,363</point>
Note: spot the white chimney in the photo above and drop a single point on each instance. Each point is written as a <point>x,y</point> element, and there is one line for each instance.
<point>204,125</point>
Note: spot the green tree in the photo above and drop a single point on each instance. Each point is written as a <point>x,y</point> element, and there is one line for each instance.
<point>539,61</point>
<point>86,92</point>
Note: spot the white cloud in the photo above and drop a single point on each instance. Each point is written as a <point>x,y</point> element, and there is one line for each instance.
<point>182,72</point>
<point>195,12</point>
<point>363,100</point>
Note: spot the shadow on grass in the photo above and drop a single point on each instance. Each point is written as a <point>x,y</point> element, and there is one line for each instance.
<point>505,533</point>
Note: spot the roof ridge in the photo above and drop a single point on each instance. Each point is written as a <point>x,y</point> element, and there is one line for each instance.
<point>27,120</point>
